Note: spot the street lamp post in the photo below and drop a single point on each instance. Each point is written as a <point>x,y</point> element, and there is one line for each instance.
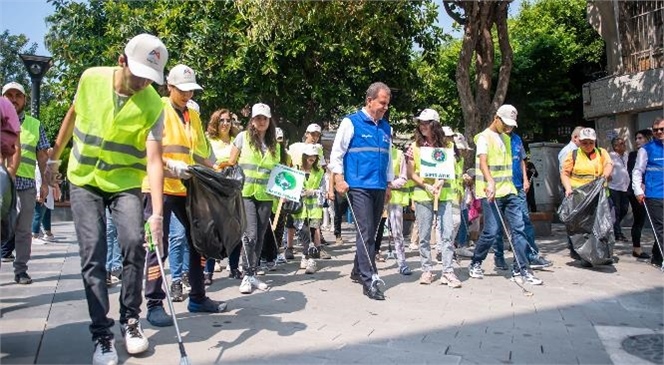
<point>37,67</point>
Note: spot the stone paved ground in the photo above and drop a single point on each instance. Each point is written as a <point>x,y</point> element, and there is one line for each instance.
<point>579,316</point>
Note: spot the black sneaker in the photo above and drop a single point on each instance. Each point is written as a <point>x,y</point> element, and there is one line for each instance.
<point>288,253</point>
<point>235,274</point>
<point>23,278</point>
<point>355,277</point>
<point>314,253</point>
<point>177,293</point>
<point>9,258</point>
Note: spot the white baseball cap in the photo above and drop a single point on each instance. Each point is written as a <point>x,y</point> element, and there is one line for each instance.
<point>311,149</point>
<point>13,85</point>
<point>587,133</point>
<point>191,104</point>
<point>146,57</point>
<point>508,114</point>
<point>313,127</point>
<point>428,114</point>
<point>448,131</point>
<point>184,78</point>
<point>260,109</point>
<point>461,142</point>
<point>279,133</point>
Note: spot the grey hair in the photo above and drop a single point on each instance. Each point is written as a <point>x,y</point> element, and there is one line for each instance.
<point>615,140</point>
<point>577,130</point>
<point>375,88</point>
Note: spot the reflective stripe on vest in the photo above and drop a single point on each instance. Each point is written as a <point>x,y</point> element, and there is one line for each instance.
<point>586,170</point>
<point>109,145</point>
<point>29,141</point>
<point>184,142</point>
<point>257,168</point>
<point>310,207</point>
<point>499,162</point>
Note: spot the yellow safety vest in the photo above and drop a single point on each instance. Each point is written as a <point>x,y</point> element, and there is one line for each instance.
<point>186,143</point>
<point>257,168</point>
<point>29,142</point>
<point>421,195</point>
<point>108,149</point>
<point>400,196</point>
<point>222,150</point>
<point>499,161</point>
<point>585,170</point>
<point>310,207</point>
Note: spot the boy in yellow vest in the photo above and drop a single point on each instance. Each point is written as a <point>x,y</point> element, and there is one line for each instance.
<point>116,122</point>
<point>34,145</point>
<point>184,144</point>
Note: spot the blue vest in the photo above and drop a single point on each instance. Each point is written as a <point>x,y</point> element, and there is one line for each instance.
<point>654,179</point>
<point>517,173</point>
<point>368,155</point>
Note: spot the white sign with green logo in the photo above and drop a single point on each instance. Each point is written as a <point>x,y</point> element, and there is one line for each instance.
<point>286,182</point>
<point>437,163</point>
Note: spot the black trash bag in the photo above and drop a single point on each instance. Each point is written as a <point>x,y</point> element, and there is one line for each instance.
<point>587,217</point>
<point>215,210</point>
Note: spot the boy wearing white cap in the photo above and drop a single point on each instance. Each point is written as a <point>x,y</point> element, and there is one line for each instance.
<point>34,145</point>
<point>184,144</point>
<point>116,122</point>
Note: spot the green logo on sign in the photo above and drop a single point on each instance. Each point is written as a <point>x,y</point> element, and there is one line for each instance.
<point>438,155</point>
<point>285,180</point>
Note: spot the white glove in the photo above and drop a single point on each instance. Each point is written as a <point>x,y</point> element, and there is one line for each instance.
<point>398,183</point>
<point>308,192</point>
<point>430,189</point>
<point>53,176</point>
<point>178,168</point>
<point>156,223</point>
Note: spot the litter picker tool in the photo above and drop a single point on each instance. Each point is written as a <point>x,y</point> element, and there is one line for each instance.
<point>375,279</point>
<point>184,360</point>
<point>526,292</point>
<point>281,259</point>
<point>659,244</point>
<point>390,253</point>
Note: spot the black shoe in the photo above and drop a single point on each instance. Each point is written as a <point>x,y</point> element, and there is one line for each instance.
<point>355,277</point>
<point>177,293</point>
<point>314,253</point>
<point>23,278</point>
<point>657,264</point>
<point>373,293</point>
<point>235,274</point>
<point>9,258</point>
<point>207,279</point>
<point>641,255</point>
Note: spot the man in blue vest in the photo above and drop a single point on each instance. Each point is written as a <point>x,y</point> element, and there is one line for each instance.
<point>362,169</point>
<point>649,171</point>
<point>34,146</point>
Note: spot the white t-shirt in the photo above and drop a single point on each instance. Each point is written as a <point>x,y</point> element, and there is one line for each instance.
<point>483,143</point>
<point>239,142</point>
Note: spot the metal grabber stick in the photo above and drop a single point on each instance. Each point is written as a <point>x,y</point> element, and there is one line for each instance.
<point>526,292</point>
<point>655,234</point>
<point>184,360</point>
<point>390,253</point>
<point>375,279</point>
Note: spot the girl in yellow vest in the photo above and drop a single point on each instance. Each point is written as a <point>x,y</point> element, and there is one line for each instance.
<point>220,133</point>
<point>184,144</point>
<point>401,189</point>
<point>257,152</point>
<point>308,220</point>
<point>429,133</point>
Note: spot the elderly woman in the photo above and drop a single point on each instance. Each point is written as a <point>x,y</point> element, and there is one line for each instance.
<point>584,165</point>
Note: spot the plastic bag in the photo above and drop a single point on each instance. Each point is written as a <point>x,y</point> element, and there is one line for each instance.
<point>215,210</point>
<point>587,217</point>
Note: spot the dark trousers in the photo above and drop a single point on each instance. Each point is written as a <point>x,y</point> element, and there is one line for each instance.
<point>379,233</point>
<point>639,214</point>
<point>340,208</point>
<point>368,207</point>
<point>88,207</point>
<point>273,238</point>
<point>154,291</point>
<point>656,209</point>
<point>620,202</point>
<point>530,198</point>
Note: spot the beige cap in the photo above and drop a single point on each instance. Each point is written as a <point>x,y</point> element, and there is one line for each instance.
<point>508,114</point>
<point>428,114</point>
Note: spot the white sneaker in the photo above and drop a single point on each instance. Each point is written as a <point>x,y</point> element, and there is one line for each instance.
<point>531,279</point>
<point>48,237</point>
<point>311,267</point>
<point>245,285</point>
<point>217,266</point>
<point>105,353</point>
<point>256,283</point>
<point>135,340</point>
<point>303,263</point>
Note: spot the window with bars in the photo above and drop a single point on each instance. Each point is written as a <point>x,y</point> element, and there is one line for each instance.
<point>642,35</point>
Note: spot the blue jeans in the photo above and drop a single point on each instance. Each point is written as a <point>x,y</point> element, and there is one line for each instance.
<point>209,266</point>
<point>41,217</point>
<point>113,255</point>
<point>462,235</point>
<point>532,251</point>
<point>178,249</point>
<point>510,206</point>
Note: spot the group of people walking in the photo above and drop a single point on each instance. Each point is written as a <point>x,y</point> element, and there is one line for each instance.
<point>132,150</point>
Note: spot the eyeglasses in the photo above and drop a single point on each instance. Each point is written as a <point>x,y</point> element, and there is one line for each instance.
<point>225,120</point>
<point>655,130</point>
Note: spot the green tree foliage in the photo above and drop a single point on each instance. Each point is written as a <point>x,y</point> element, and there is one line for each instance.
<point>11,66</point>
<point>555,52</point>
<point>308,59</point>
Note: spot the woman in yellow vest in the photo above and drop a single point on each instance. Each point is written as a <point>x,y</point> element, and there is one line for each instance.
<point>220,133</point>
<point>184,144</point>
<point>585,164</point>
<point>308,220</point>
<point>257,152</point>
<point>429,133</point>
